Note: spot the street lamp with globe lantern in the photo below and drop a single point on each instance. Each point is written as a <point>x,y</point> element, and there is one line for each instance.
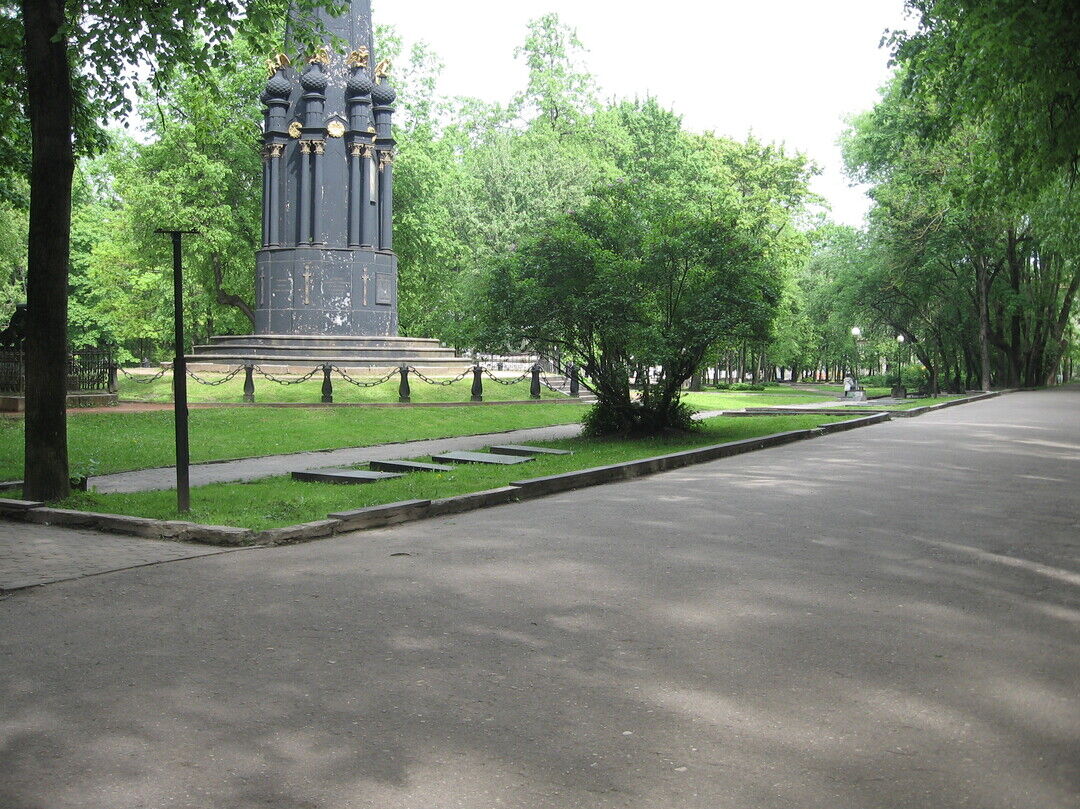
<point>899,391</point>
<point>856,333</point>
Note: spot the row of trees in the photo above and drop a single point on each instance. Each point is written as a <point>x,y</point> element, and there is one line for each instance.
<point>972,251</point>
<point>601,231</point>
<point>598,230</point>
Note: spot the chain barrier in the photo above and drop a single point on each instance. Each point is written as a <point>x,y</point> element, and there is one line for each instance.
<point>143,380</point>
<point>423,378</point>
<point>221,381</point>
<point>297,381</point>
<point>559,389</point>
<point>494,378</point>
<point>341,372</point>
<point>140,379</point>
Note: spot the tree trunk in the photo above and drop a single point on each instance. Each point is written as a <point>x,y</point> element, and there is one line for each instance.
<point>982,295</point>
<point>227,298</point>
<point>49,96</point>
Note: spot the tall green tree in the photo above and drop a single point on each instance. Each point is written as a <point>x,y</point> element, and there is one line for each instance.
<point>962,247</point>
<point>651,269</point>
<point>1010,65</point>
<point>80,60</point>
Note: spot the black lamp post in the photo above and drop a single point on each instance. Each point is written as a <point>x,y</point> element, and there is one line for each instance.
<point>856,333</point>
<point>180,408</point>
<point>898,391</point>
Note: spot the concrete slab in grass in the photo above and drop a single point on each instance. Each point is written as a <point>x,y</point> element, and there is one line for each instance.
<point>480,457</point>
<point>342,476</point>
<point>549,484</point>
<point>522,449</point>
<point>409,466</point>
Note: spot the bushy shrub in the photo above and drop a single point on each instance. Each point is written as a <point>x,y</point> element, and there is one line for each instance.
<point>723,386</point>
<point>635,420</point>
<point>746,386</point>
<point>912,377</point>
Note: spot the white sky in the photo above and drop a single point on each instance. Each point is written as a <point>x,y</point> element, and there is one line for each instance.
<point>787,70</point>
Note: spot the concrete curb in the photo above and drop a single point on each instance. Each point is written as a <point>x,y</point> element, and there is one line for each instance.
<point>148,527</point>
<point>409,510</point>
<point>379,516</point>
<point>537,487</point>
<point>852,424</point>
<point>823,411</point>
<point>918,411</point>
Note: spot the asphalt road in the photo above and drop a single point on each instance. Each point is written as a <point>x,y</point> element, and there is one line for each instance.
<point>886,617</point>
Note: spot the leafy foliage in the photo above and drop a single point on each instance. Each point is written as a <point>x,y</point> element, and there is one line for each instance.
<point>1010,65</point>
<point>651,270</point>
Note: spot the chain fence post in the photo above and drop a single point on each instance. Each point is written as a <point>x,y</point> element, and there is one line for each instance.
<point>403,392</point>
<point>249,383</point>
<point>534,388</point>
<point>575,383</point>
<point>477,383</point>
<point>327,386</point>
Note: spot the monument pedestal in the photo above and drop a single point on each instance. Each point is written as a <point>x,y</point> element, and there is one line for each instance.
<point>298,354</point>
<point>325,291</point>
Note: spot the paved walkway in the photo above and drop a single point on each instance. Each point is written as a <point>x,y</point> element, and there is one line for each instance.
<point>877,619</point>
<point>31,555</point>
<point>271,465</point>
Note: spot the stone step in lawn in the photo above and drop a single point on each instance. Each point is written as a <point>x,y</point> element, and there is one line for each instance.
<point>521,449</point>
<point>409,466</point>
<point>343,476</point>
<point>480,457</point>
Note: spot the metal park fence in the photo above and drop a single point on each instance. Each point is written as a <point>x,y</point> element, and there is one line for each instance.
<point>408,375</point>
<point>88,369</point>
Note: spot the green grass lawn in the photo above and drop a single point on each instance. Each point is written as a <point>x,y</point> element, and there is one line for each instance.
<point>100,442</point>
<point>160,390</point>
<point>737,400</point>
<point>839,389</point>
<point>911,404</point>
<point>279,501</point>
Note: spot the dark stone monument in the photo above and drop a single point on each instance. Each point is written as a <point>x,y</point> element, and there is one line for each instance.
<point>327,265</point>
<point>326,273</point>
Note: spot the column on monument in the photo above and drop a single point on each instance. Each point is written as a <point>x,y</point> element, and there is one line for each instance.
<point>386,200</point>
<point>266,196</point>
<point>354,194</point>
<point>382,98</point>
<point>274,179</point>
<point>318,152</point>
<point>314,81</point>
<point>358,89</point>
<point>276,98</point>
<point>304,233</point>
<point>369,223</point>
